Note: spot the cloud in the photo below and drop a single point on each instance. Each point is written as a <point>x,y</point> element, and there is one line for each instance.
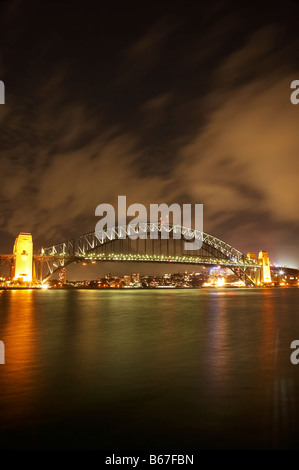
<point>155,111</point>
<point>247,153</point>
<point>157,103</point>
<point>57,167</point>
<point>243,163</point>
<point>249,60</point>
<point>144,54</point>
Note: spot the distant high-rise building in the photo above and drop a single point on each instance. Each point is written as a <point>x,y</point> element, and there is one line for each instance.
<point>62,276</point>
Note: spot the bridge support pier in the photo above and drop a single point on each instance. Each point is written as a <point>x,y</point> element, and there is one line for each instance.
<point>265,271</point>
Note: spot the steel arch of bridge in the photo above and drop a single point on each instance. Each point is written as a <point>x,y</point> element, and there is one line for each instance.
<point>78,249</point>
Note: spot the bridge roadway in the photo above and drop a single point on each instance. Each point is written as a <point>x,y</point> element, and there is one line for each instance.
<point>137,257</point>
<point>55,262</point>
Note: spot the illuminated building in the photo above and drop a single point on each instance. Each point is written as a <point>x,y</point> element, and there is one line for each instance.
<point>62,276</point>
<point>23,251</point>
<point>251,256</point>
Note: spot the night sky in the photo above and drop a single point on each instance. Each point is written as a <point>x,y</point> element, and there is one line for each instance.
<point>159,101</point>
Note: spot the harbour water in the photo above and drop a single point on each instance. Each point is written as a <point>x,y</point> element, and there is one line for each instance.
<point>149,369</point>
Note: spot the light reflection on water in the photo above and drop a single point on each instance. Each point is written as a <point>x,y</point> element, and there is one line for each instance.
<point>149,369</point>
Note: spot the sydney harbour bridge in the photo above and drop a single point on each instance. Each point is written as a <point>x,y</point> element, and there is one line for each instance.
<point>141,243</point>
